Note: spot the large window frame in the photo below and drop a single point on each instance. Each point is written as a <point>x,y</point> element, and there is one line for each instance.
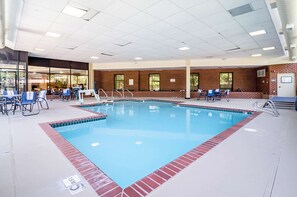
<point>194,81</point>
<point>226,80</point>
<point>119,82</point>
<point>154,82</point>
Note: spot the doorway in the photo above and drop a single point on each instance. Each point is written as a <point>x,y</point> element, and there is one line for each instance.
<point>286,85</point>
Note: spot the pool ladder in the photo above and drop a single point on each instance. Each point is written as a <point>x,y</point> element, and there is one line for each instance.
<point>271,110</point>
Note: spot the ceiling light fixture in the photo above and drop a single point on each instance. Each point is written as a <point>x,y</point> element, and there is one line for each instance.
<point>73,11</point>
<point>94,57</point>
<point>256,55</point>
<point>138,58</point>
<point>268,48</point>
<point>183,48</point>
<point>39,49</point>
<point>53,35</point>
<point>257,33</point>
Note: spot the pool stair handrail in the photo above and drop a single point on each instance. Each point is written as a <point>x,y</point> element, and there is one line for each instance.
<point>271,110</point>
<point>129,92</point>
<point>115,90</point>
<point>100,89</point>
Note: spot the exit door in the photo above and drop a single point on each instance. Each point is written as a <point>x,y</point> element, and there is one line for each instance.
<point>286,85</point>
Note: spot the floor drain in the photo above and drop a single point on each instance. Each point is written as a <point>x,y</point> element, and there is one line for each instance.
<point>74,184</point>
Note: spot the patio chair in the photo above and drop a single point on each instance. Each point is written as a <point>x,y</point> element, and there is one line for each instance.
<point>9,100</point>
<point>200,94</point>
<point>41,99</point>
<point>210,95</point>
<point>66,94</point>
<point>218,94</point>
<point>226,95</point>
<point>26,104</point>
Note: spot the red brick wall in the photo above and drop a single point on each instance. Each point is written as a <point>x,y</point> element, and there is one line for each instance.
<point>243,78</point>
<point>280,68</point>
<point>263,82</point>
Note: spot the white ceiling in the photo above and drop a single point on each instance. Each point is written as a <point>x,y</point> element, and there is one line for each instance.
<point>155,28</point>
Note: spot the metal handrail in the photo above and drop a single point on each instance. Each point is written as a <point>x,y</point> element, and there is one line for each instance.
<point>100,89</point>
<point>130,92</point>
<point>273,110</point>
<point>115,90</point>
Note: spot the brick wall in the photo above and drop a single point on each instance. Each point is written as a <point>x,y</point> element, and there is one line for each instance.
<point>280,68</point>
<point>243,78</point>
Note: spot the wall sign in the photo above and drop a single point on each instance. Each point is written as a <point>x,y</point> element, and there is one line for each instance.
<point>131,82</point>
<point>287,79</point>
<point>172,80</point>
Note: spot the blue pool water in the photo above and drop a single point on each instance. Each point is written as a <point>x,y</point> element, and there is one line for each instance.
<point>137,138</point>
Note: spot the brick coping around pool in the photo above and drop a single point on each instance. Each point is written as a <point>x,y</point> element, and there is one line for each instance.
<point>105,186</point>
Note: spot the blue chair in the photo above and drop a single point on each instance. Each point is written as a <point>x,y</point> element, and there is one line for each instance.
<point>210,95</point>
<point>9,100</point>
<point>26,104</point>
<point>66,94</point>
<point>218,94</point>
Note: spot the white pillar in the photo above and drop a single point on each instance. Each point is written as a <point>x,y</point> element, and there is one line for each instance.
<point>91,77</point>
<point>188,74</point>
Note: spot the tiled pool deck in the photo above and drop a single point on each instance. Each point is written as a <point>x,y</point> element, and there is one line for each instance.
<point>260,163</point>
<point>106,187</point>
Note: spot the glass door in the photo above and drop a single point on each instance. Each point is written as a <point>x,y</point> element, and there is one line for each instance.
<point>8,79</point>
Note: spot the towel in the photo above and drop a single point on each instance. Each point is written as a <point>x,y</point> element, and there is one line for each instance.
<point>10,93</point>
<point>29,95</point>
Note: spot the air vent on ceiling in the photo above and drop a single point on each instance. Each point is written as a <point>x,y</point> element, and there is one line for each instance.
<point>233,49</point>
<point>106,54</point>
<point>91,13</point>
<point>241,10</point>
<point>123,44</point>
<point>71,48</point>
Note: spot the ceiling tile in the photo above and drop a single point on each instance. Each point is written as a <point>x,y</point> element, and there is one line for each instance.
<point>182,18</point>
<point>142,19</point>
<point>127,27</point>
<point>121,10</point>
<point>55,5</point>
<point>141,4</point>
<point>106,20</point>
<point>158,11</point>
<point>185,4</point>
<point>99,5</point>
<point>202,10</point>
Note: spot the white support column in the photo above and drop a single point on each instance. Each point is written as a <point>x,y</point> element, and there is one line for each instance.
<point>91,76</point>
<point>188,74</point>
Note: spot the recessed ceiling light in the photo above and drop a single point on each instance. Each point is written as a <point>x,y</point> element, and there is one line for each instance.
<point>183,48</point>
<point>268,48</point>
<point>39,49</point>
<point>52,34</point>
<point>138,58</point>
<point>94,57</point>
<point>73,11</point>
<point>256,55</point>
<point>256,33</point>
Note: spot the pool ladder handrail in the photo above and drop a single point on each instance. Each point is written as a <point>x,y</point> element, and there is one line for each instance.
<point>115,90</point>
<point>100,89</point>
<point>273,110</point>
<point>129,92</point>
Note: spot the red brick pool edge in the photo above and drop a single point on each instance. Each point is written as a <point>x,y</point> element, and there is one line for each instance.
<point>106,187</point>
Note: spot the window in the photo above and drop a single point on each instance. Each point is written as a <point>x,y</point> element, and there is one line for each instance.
<point>226,81</point>
<point>194,81</point>
<point>118,82</point>
<point>154,82</point>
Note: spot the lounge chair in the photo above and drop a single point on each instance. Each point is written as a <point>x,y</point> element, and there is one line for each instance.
<point>41,99</point>
<point>27,102</point>
<point>210,95</point>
